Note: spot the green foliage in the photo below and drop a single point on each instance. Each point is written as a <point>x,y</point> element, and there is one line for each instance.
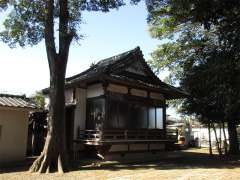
<point>206,12</point>
<point>39,99</point>
<point>170,17</point>
<point>25,23</point>
<point>214,87</point>
<point>201,53</point>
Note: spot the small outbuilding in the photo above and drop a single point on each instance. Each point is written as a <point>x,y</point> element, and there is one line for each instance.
<point>14,112</point>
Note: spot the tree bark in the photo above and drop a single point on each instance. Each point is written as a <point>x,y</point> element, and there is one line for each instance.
<point>54,156</point>
<point>220,136</point>
<point>225,138</point>
<point>217,141</point>
<point>233,137</point>
<point>209,138</point>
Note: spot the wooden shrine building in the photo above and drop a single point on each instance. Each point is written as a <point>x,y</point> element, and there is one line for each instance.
<point>118,105</point>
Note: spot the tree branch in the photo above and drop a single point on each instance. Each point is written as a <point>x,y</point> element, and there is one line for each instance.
<point>49,34</point>
<point>65,35</point>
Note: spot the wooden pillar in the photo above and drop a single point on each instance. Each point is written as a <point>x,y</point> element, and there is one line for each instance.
<point>148,96</point>
<point>107,101</point>
<point>164,119</point>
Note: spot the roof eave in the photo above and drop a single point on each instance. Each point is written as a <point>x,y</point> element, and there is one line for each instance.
<point>28,109</point>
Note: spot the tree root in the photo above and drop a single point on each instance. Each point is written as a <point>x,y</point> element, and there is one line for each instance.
<point>44,164</point>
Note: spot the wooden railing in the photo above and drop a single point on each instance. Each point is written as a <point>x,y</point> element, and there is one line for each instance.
<point>89,134</point>
<point>149,134</point>
<point>172,134</point>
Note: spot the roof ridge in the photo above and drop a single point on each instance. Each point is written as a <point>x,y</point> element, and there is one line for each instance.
<point>100,63</point>
<point>13,96</point>
<point>136,49</point>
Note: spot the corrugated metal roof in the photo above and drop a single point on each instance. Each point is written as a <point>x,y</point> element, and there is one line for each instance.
<point>16,101</point>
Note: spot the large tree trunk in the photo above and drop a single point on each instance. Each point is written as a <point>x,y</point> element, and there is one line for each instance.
<point>233,137</point>
<point>53,156</point>
<point>217,141</point>
<point>209,138</point>
<point>225,138</point>
<point>220,136</point>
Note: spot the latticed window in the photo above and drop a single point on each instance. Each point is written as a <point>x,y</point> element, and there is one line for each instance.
<point>127,115</point>
<point>95,113</point>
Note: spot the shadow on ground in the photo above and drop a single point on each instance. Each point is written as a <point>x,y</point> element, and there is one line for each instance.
<point>178,160</point>
<point>16,166</point>
<point>181,160</point>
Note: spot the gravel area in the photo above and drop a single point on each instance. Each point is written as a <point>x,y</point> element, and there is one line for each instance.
<point>188,164</point>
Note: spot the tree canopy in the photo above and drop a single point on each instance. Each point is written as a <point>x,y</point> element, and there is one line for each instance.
<point>214,87</point>
<point>26,21</point>
<point>202,54</point>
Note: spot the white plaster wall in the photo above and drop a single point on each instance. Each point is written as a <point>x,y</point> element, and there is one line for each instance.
<point>117,88</point>
<point>47,101</point>
<point>80,111</point>
<point>138,92</point>
<point>95,90</point>
<point>13,140</point>
<point>68,98</point>
<point>68,95</point>
<point>156,96</point>
<point>202,135</point>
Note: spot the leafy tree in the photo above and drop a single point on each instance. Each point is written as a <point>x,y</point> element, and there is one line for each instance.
<point>171,14</point>
<point>198,31</point>
<point>39,99</point>
<point>186,23</point>
<point>214,88</point>
<point>57,22</point>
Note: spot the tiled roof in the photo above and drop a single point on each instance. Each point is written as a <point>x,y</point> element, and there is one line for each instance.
<point>105,65</point>
<point>112,68</point>
<point>16,101</point>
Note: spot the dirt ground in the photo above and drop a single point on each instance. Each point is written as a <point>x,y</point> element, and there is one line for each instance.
<point>182,165</point>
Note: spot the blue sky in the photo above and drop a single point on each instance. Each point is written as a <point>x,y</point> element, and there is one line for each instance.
<point>105,34</point>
